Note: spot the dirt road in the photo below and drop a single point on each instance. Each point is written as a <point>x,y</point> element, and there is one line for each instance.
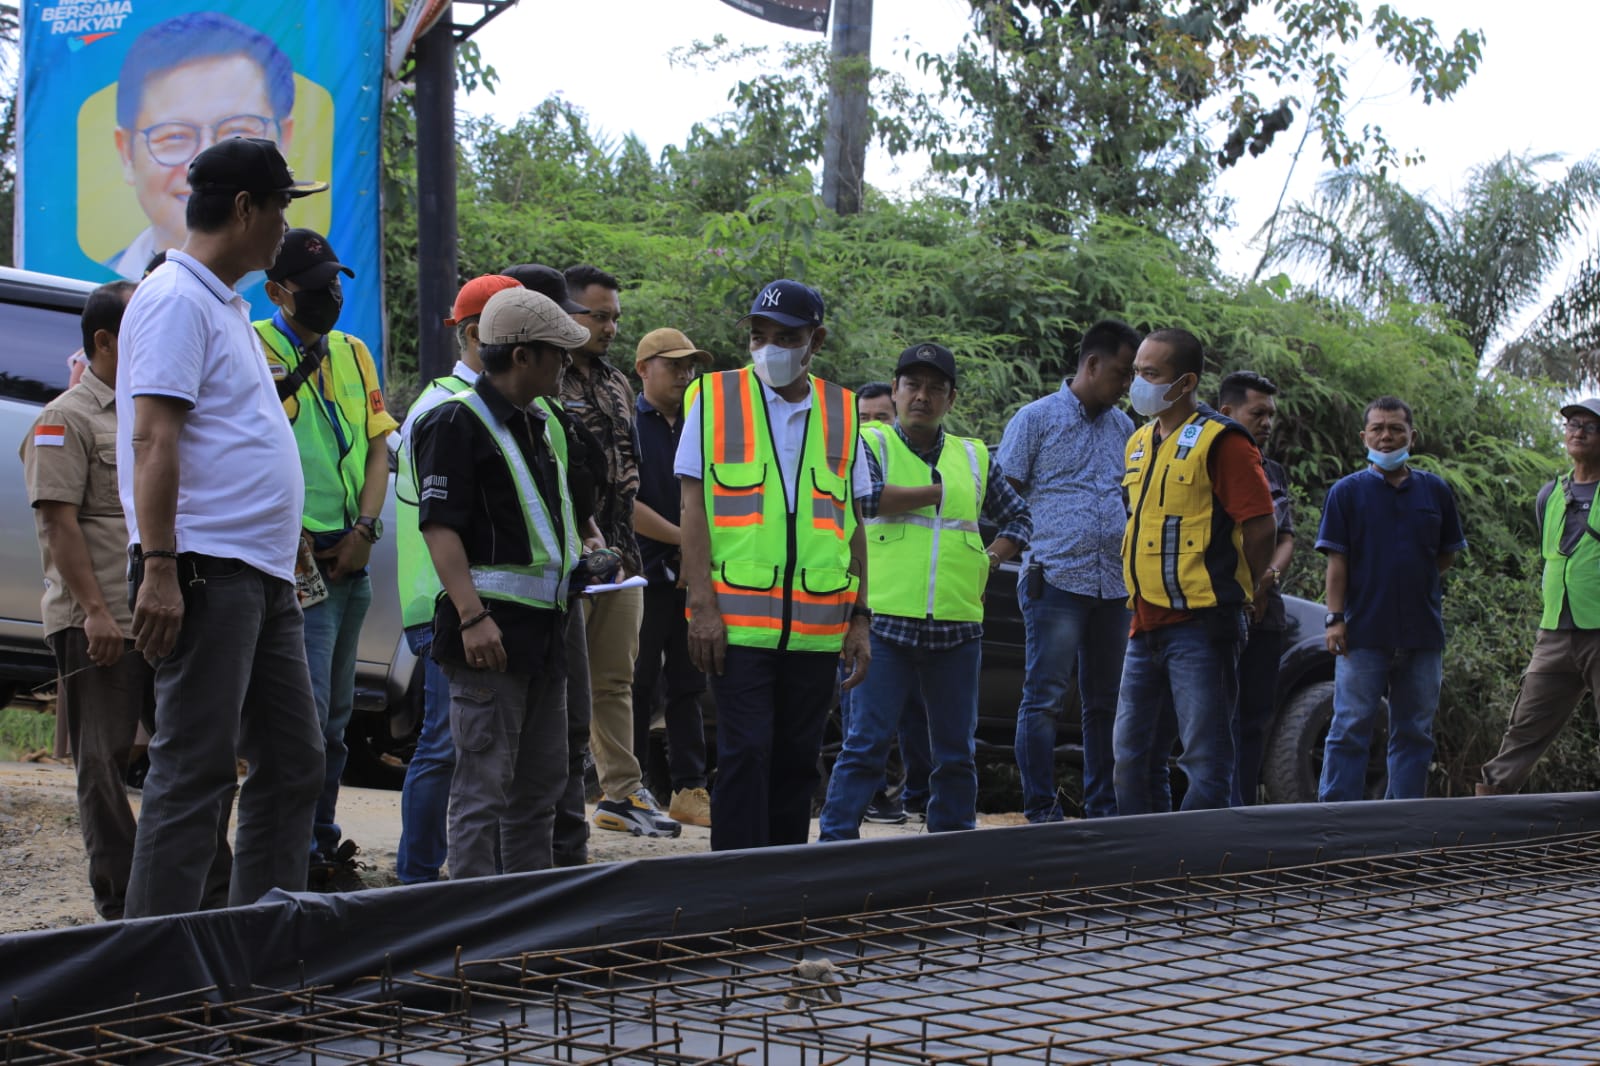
<point>44,878</point>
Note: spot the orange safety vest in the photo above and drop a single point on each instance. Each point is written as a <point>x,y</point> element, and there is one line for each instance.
<point>781,572</point>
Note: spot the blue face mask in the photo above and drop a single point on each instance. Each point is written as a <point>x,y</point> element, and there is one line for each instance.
<point>1389,461</point>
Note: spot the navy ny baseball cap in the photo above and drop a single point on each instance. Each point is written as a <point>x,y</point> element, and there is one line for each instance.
<point>788,303</point>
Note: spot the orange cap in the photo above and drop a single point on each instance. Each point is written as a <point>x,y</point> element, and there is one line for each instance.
<point>475,293</point>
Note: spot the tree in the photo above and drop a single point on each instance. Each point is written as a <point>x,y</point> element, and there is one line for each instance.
<point>1483,258</point>
<point>1092,107</point>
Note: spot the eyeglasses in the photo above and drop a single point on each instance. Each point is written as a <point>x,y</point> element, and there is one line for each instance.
<point>1582,427</point>
<point>175,144</point>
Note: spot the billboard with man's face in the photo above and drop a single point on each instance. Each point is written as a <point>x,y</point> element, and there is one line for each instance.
<point>118,96</point>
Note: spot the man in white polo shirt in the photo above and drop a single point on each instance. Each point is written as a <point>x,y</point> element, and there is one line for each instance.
<point>209,476</point>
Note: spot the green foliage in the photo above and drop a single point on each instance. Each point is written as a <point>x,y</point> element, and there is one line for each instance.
<point>1482,258</point>
<point>1087,108</point>
<point>25,729</point>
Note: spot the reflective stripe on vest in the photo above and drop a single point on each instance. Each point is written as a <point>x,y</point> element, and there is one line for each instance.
<point>333,476</point>
<point>930,565</point>
<point>543,582</point>
<point>1575,578</point>
<point>419,585</point>
<point>1180,549</point>
<point>781,572</point>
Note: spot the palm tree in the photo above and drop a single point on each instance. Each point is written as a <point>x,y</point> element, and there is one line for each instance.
<point>1484,258</point>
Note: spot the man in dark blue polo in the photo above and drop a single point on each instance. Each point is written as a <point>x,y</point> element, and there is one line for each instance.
<point>1389,532</point>
<point>666,362</point>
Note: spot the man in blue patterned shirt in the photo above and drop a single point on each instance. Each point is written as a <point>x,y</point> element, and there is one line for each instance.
<point>1064,453</point>
<point>929,490</point>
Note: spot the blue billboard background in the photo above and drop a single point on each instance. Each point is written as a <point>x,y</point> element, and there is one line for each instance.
<point>101,165</point>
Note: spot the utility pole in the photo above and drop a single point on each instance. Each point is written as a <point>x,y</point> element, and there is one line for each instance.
<point>436,195</point>
<point>844,153</point>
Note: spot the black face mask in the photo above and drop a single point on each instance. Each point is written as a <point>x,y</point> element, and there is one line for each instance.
<point>317,309</point>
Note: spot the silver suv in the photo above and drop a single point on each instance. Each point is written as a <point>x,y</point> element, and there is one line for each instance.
<point>39,316</point>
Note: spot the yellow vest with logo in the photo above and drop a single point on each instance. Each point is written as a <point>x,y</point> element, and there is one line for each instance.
<point>331,433</point>
<point>1181,550</point>
<point>929,562</point>
<point>1573,578</point>
<point>781,574</point>
<point>543,581</point>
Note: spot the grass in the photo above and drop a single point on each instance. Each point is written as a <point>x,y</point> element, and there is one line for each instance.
<point>24,730</point>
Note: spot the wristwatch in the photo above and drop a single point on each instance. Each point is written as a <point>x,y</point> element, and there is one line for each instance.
<point>373,528</point>
<point>1333,618</point>
<point>859,611</point>
<point>994,558</point>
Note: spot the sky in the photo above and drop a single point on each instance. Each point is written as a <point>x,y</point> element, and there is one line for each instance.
<point>609,57</point>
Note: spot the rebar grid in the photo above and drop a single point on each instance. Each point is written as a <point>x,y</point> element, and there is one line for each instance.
<point>1476,954</point>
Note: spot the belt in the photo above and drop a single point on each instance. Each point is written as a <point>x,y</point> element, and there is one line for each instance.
<point>196,565</point>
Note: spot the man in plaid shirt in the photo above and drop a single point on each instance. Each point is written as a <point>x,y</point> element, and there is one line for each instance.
<point>929,490</point>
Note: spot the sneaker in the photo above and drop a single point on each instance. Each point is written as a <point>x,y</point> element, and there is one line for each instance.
<point>637,814</point>
<point>691,806</point>
<point>885,811</point>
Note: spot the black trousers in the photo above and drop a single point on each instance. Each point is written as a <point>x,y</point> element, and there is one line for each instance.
<point>664,672</point>
<point>772,707</point>
<point>1258,681</point>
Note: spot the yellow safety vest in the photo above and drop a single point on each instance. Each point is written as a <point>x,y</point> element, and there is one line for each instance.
<point>331,435</point>
<point>1574,578</point>
<point>543,581</point>
<point>781,574</point>
<point>419,585</point>
<point>929,562</point>
<point>1181,550</point>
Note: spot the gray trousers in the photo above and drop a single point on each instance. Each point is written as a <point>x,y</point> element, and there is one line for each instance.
<point>570,842</point>
<point>235,686</point>
<point>1565,665</point>
<point>510,733</point>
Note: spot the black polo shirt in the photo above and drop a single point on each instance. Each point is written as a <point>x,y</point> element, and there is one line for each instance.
<point>465,485</point>
<point>657,446</point>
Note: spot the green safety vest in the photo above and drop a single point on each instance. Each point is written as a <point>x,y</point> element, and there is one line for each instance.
<point>929,562</point>
<point>1574,578</point>
<point>419,585</point>
<point>781,574</point>
<point>543,581</point>
<point>331,437</point>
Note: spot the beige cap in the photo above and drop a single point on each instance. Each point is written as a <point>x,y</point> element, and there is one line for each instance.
<point>521,316</point>
<point>669,343</point>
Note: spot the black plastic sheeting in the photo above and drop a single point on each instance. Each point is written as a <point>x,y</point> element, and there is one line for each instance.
<point>292,938</point>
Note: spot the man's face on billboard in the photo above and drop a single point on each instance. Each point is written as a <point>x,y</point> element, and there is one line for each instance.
<point>182,111</point>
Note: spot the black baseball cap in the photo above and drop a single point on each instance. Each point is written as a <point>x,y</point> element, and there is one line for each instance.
<point>307,259</point>
<point>546,280</point>
<point>788,303</point>
<point>932,355</point>
<point>247,164</point>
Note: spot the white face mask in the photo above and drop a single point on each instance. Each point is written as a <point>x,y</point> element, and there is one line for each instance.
<point>779,366</point>
<point>1149,397</point>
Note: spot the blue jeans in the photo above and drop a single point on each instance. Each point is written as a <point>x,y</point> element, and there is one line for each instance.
<point>425,798</point>
<point>1065,630</point>
<point>948,682</point>
<point>916,761</point>
<point>1411,677</point>
<point>1193,668</point>
<point>333,628</point>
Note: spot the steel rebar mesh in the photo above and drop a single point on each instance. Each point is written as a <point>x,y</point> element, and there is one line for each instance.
<point>1475,954</point>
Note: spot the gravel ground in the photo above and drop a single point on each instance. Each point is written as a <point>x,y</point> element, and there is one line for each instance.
<point>44,876</point>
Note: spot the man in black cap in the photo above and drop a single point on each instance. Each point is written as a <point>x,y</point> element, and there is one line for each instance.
<point>210,481</point>
<point>330,391</point>
<point>929,567</point>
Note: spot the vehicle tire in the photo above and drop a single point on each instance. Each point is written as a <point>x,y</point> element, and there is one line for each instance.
<point>1294,753</point>
<point>376,759</point>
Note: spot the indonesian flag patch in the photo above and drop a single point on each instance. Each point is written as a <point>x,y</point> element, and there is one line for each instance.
<point>50,436</point>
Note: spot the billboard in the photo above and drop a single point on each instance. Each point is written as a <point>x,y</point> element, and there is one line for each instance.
<point>119,95</point>
<point>801,14</point>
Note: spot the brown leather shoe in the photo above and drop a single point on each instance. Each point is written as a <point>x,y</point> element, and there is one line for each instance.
<point>1486,789</point>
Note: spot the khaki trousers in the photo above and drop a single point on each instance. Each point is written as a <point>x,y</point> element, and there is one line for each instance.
<point>611,622</point>
<point>1565,665</point>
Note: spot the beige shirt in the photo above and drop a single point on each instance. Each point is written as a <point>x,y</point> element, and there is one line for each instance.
<point>70,456</point>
